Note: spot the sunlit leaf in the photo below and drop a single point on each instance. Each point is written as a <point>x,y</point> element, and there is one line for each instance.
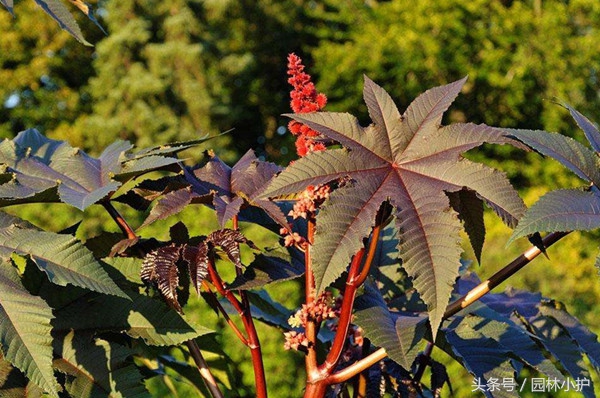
<point>95,367</point>
<point>62,257</point>
<point>57,10</point>
<point>25,330</point>
<point>561,210</point>
<point>409,160</point>
<point>37,169</point>
<point>160,268</point>
<point>591,131</point>
<point>231,189</point>
<point>570,153</point>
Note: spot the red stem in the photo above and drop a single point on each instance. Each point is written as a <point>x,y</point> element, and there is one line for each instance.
<point>252,342</point>
<point>193,348</point>
<point>345,316</point>
<point>311,364</point>
<point>121,222</point>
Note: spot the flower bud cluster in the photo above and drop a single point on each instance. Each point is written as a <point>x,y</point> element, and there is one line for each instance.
<point>310,200</point>
<point>317,311</point>
<point>305,99</point>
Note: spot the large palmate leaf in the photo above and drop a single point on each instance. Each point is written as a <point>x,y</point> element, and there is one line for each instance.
<point>231,188</point>
<point>410,161</point>
<point>25,330</point>
<point>62,257</point>
<point>37,169</point>
<point>567,209</point>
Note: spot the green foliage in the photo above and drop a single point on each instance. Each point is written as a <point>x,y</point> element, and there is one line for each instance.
<point>25,331</point>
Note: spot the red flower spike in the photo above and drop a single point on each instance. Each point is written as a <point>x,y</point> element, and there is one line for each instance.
<point>304,99</point>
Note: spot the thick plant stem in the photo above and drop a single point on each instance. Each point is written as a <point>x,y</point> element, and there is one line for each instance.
<point>345,316</point>
<point>509,270</point>
<point>311,364</point>
<point>319,379</point>
<point>207,376</point>
<point>485,287</point>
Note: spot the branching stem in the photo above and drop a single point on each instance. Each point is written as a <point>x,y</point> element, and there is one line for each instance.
<point>195,352</point>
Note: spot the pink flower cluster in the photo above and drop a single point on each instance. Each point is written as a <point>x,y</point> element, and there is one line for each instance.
<point>305,99</point>
<point>321,309</point>
<point>310,200</point>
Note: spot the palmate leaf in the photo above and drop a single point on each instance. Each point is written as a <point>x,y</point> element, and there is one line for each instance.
<point>410,161</point>
<point>481,355</point>
<point>561,210</point>
<point>230,188</point>
<point>517,323</point>
<point>64,259</point>
<point>37,169</point>
<point>567,209</point>
<point>96,367</point>
<point>25,330</point>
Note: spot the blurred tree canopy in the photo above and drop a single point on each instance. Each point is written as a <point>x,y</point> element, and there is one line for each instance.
<point>173,70</point>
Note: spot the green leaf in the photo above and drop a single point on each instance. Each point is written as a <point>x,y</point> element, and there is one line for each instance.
<point>401,334</point>
<point>97,368</point>
<point>128,268</point>
<point>14,384</point>
<point>409,161</point>
<point>470,210</point>
<point>591,131</point>
<point>57,10</point>
<point>561,210</point>
<point>25,330</point>
<point>139,316</point>
<point>61,257</point>
<point>570,153</point>
<point>276,265</point>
